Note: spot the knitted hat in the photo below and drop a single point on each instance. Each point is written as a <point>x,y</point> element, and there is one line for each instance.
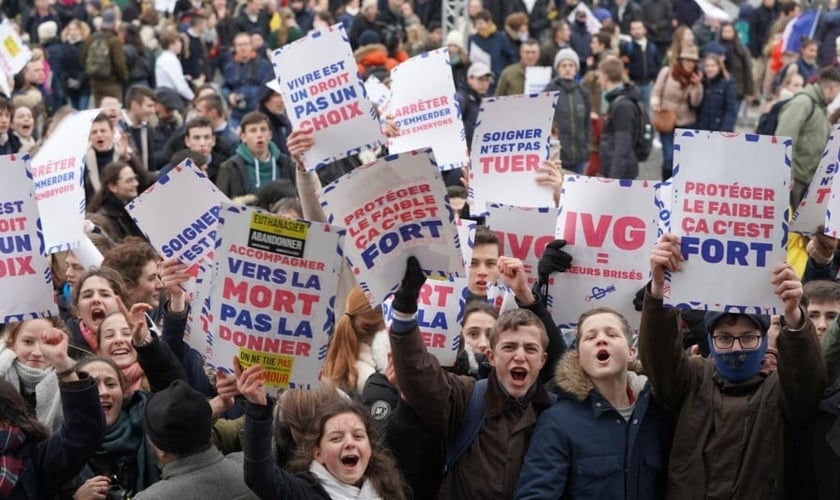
<point>47,31</point>
<point>109,20</point>
<point>454,38</point>
<point>178,419</point>
<point>567,55</point>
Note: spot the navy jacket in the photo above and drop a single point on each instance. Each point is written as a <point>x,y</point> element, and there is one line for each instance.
<point>501,53</point>
<point>618,135</point>
<point>583,448</point>
<point>642,65</point>
<point>48,464</point>
<point>470,103</point>
<point>571,117</point>
<point>719,110</point>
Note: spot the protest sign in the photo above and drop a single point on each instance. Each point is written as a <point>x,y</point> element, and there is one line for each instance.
<point>324,93</point>
<point>593,25</point>
<point>440,309</point>
<point>197,333</point>
<point>609,226</point>
<point>663,198</point>
<point>730,209</point>
<point>425,110</point>
<point>523,233</point>
<point>466,238</point>
<point>25,273</point>
<point>14,54</point>
<point>512,139</point>
<point>379,94</point>
<point>59,172</point>
<point>186,231</point>
<point>537,78</point>
<point>392,209</point>
<point>166,6</point>
<point>272,294</point>
<point>811,210</point>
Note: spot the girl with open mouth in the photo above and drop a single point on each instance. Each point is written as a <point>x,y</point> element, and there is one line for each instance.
<point>94,298</point>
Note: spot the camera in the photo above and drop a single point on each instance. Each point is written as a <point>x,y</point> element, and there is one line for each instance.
<point>116,491</point>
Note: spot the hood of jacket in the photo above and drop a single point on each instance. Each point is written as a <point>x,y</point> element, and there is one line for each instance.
<point>570,377</point>
<point>628,90</point>
<point>372,54</point>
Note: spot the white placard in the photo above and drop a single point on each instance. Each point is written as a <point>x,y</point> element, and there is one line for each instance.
<point>609,226</point>
<point>523,233</point>
<point>426,112</point>
<point>512,139</point>
<point>25,273</point>
<point>730,209</point>
<point>58,169</point>
<point>324,93</point>
<point>379,94</point>
<point>537,78</point>
<point>271,297</point>
<point>14,54</point>
<point>392,209</point>
<point>811,211</point>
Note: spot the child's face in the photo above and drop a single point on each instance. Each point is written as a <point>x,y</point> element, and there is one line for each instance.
<point>23,122</point>
<point>603,347</point>
<point>5,120</point>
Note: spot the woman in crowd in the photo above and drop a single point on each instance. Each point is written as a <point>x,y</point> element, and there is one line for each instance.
<point>678,91</point>
<point>139,59</point>
<point>138,265</point>
<point>94,298</point>
<point>719,110</point>
<point>74,36</point>
<point>33,463</point>
<point>23,126</point>
<point>125,463</point>
<point>23,364</point>
<point>683,38</point>
<point>120,182</point>
<point>339,456</point>
<point>738,63</point>
<point>168,70</point>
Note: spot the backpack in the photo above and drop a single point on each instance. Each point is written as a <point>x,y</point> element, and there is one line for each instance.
<point>98,58</point>
<point>643,131</point>
<point>769,121</point>
<point>473,418</point>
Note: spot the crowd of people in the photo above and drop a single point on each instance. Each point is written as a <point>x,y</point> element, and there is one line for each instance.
<point>107,400</point>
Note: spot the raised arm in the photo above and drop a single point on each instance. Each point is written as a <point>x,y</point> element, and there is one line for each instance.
<point>159,364</point>
<point>670,371</point>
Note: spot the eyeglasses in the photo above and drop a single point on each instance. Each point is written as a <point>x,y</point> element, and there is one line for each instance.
<point>727,341</point>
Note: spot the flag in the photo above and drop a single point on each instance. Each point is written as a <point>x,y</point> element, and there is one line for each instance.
<point>803,26</point>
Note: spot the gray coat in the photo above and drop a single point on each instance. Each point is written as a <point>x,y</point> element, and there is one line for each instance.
<point>204,475</point>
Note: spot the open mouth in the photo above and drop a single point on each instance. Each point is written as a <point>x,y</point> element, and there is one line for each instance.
<point>350,460</point>
<point>602,355</point>
<point>106,406</point>
<point>119,352</point>
<point>518,374</point>
<point>97,314</point>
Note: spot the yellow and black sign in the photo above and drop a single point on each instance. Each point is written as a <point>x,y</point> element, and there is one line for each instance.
<point>277,234</point>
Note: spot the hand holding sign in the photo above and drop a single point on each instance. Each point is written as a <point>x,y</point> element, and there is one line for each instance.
<point>250,382</point>
<point>665,256</point>
<point>788,287</point>
<point>405,298</point>
<point>174,276</point>
<point>299,142</point>
<point>550,175</point>
<point>821,247</point>
<point>227,392</point>
<point>513,276</point>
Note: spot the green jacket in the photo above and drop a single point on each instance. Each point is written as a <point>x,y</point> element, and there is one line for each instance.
<point>809,130</point>
<point>511,81</point>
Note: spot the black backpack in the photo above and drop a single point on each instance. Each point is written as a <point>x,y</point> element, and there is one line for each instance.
<point>643,131</point>
<point>769,121</point>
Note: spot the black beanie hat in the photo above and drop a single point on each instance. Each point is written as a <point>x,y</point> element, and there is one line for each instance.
<point>178,419</point>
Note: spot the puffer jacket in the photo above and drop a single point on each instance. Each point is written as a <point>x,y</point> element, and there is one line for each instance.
<point>579,452</point>
<point>571,118</point>
<point>719,110</point>
<point>808,129</point>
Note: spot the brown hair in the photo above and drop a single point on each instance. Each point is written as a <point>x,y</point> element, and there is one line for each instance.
<point>129,258</point>
<point>253,118</point>
<point>11,331</point>
<point>625,325</point>
<point>512,320</point>
<point>358,325</point>
<point>14,410</point>
<point>820,291</point>
<point>167,38</point>
<point>484,236</point>
<point>612,68</point>
<point>80,366</point>
<point>382,469</point>
<point>719,60</point>
<point>112,277</point>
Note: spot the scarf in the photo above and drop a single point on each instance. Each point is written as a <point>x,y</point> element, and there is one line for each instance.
<point>11,464</point>
<point>679,74</point>
<point>89,336</point>
<point>737,367</point>
<point>488,32</point>
<point>338,490</point>
<point>42,382</point>
<point>133,374</point>
<point>125,437</point>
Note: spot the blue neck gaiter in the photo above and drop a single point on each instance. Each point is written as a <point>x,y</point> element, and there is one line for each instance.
<point>738,366</point>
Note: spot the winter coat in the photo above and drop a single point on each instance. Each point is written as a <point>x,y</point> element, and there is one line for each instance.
<point>761,21</point>
<point>440,399</point>
<point>470,103</point>
<point>206,474</point>
<point>826,34</point>
<point>571,118</point>
<point>50,463</point>
<point>580,43</point>
<point>234,179</point>
<point>817,460</point>
<point>809,131</point>
<point>619,133</point>
<point>719,110</point>
<point>119,224</point>
<point>498,47</point>
<point>657,15</point>
<point>739,66</point>
<point>119,68</point>
<point>244,24</point>
<point>538,22</point>
<point>642,65</point>
<point>247,79</point>
<point>141,67</point>
<point>71,61</point>
<point>360,25</point>
<point>687,12</point>
<point>578,452</point>
<point>511,81</point>
<point>668,94</point>
<point>373,59</point>
<point>55,55</point>
<point>730,439</point>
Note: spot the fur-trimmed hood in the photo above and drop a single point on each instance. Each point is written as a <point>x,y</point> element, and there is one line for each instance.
<point>570,377</point>
<point>373,358</point>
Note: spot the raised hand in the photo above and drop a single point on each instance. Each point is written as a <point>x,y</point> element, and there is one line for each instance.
<point>665,256</point>
<point>227,390</point>
<point>299,142</point>
<point>54,349</point>
<point>788,287</point>
<point>250,382</point>
<point>549,174</point>
<point>136,318</point>
<point>174,275</point>
<point>512,272</point>
<point>821,247</point>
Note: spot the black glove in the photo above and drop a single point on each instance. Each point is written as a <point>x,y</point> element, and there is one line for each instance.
<point>639,299</point>
<point>405,298</point>
<point>553,260</point>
